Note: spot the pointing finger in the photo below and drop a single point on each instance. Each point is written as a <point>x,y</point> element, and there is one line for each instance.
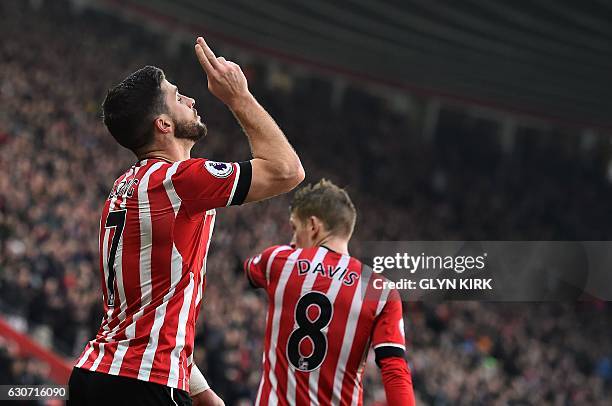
<point>203,60</point>
<point>210,55</point>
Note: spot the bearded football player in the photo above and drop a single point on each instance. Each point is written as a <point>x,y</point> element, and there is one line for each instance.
<point>156,227</point>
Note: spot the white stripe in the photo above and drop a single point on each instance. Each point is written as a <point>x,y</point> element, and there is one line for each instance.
<point>382,301</point>
<point>213,215</point>
<point>306,287</point>
<point>312,276</point>
<point>349,336</point>
<point>100,355</point>
<point>180,334</point>
<point>332,293</point>
<point>176,269</point>
<point>174,198</point>
<point>85,356</point>
<point>229,201</point>
<point>390,345</point>
<point>144,215</point>
<point>271,259</point>
<point>278,304</point>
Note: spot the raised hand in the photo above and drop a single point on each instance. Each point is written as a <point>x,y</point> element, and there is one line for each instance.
<point>225,78</point>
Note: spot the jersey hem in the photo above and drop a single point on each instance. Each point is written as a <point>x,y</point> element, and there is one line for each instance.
<point>159,379</point>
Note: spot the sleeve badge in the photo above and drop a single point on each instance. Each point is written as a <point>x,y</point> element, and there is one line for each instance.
<point>219,169</point>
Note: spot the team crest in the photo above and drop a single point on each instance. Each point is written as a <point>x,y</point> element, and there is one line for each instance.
<point>219,169</point>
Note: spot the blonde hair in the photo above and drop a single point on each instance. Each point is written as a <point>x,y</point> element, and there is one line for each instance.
<point>329,203</point>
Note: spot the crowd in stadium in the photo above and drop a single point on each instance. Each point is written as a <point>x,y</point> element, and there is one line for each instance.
<point>58,162</point>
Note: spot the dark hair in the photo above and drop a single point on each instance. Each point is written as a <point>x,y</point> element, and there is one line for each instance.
<point>329,203</point>
<point>130,107</point>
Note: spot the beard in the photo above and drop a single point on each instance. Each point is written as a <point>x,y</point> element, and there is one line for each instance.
<point>195,130</point>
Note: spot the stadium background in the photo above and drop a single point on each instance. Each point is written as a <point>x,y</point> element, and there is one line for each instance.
<point>449,132</point>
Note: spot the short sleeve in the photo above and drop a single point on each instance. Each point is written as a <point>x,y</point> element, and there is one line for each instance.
<point>202,184</point>
<point>388,334</point>
<point>257,268</point>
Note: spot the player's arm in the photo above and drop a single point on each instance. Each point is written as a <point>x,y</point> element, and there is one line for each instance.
<point>200,392</point>
<point>276,168</point>
<point>389,348</point>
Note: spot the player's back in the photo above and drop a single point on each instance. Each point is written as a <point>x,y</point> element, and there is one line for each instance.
<point>322,319</point>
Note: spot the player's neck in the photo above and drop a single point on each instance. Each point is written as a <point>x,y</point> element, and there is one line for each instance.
<point>171,153</point>
<point>335,244</point>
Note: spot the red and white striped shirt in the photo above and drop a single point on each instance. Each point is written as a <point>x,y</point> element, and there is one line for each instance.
<point>323,316</point>
<point>155,232</point>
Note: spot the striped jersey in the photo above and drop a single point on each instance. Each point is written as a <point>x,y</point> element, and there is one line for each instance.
<point>155,232</point>
<point>323,316</point>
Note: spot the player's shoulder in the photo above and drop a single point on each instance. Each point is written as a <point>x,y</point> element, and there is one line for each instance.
<point>124,178</point>
<point>191,163</point>
<point>277,252</point>
<point>207,166</point>
<point>269,255</point>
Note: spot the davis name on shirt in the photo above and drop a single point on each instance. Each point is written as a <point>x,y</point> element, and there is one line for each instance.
<point>304,266</point>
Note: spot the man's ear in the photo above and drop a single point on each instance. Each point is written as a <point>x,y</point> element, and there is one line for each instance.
<point>316,226</point>
<point>313,224</point>
<point>163,124</point>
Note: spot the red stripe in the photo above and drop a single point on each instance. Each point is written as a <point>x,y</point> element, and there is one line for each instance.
<point>105,363</point>
<point>92,356</point>
<point>167,336</point>
<point>190,333</point>
<point>275,268</point>
<point>361,340</point>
